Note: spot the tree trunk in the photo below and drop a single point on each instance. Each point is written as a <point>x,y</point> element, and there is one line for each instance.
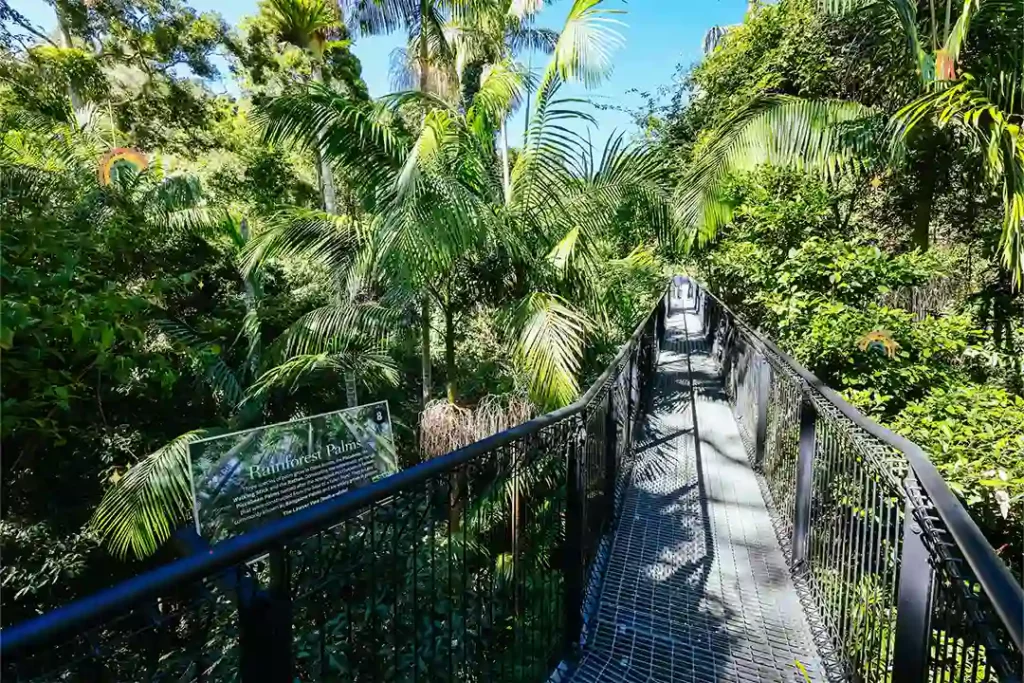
<point>65,42</point>
<point>250,300</point>
<point>425,346</point>
<point>330,194</point>
<point>351,394</point>
<point>506,180</point>
<point>425,304</point>
<point>449,352</point>
<point>926,177</point>
<point>424,56</point>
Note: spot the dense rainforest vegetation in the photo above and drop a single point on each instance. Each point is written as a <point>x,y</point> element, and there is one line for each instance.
<point>179,262</point>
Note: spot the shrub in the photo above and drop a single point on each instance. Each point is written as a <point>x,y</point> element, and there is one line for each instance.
<point>975,436</point>
<point>828,338</point>
<point>855,271</point>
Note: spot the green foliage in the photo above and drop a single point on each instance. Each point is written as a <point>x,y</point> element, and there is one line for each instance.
<point>826,337</point>
<point>975,436</point>
<point>779,48</point>
<point>852,272</point>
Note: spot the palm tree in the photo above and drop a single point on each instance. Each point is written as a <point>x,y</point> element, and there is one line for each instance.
<point>495,33</point>
<point>310,26</point>
<point>154,497</point>
<point>442,203</point>
<point>428,59</point>
<point>841,137</point>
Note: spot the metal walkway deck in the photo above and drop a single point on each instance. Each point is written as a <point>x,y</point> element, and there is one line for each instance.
<point>696,586</point>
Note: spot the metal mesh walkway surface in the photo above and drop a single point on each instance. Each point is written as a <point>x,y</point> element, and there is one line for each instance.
<point>696,586</point>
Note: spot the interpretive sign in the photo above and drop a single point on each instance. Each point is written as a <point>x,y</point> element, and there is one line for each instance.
<point>245,479</point>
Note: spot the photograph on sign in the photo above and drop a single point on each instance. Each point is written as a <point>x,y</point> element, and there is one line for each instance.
<point>245,479</point>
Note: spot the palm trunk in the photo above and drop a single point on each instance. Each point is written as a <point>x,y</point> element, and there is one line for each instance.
<point>926,175</point>
<point>425,346</point>
<point>351,395</point>
<point>457,492</point>
<point>327,187</point>
<point>449,352</point>
<point>330,196</point>
<point>425,302</point>
<point>506,181</point>
<point>65,42</point>
<point>250,298</point>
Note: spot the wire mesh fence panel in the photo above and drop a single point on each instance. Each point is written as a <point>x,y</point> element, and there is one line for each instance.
<point>855,546</point>
<point>189,635</point>
<point>781,448</point>
<point>884,617</point>
<point>966,640</point>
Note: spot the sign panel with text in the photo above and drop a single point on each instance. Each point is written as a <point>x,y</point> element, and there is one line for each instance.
<point>245,479</point>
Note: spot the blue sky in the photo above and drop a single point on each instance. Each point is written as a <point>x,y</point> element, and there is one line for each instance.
<point>659,34</point>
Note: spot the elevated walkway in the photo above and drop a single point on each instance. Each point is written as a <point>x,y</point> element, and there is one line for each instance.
<point>647,532</point>
<point>696,586</point>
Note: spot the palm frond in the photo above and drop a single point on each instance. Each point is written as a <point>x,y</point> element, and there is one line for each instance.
<point>375,17</point>
<point>369,366</point>
<point>428,230</point>
<point>221,378</point>
<point>307,24</point>
<point>500,93</point>
<point>207,222</point>
<point>331,329</point>
<point>177,193</point>
<point>996,133</point>
<point>549,346</point>
<point>350,133</point>
<point>533,39</point>
<point>554,153</point>
<point>585,46</point>
<point>438,133</point>
<point>957,37</point>
<point>139,513</point>
<point>828,137</point>
<point>309,234</point>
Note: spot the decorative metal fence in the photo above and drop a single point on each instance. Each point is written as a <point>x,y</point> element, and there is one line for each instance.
<point>898,580</point>
<point>468,567</point>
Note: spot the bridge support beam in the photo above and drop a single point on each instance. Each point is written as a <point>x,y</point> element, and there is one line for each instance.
<point>913,606</point>
<point>804,482</point>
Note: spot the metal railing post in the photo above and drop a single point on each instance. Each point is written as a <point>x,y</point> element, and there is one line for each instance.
<point>659,329</point>
<point>913,606</point>
<point>572,550</point>
<point>611,442</point>
<point>804,481</point>
<point>630,403</point>
<point>764,385</point>
<point>265,625</point>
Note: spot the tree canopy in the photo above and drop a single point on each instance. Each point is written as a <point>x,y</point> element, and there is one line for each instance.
<point>181,259</point>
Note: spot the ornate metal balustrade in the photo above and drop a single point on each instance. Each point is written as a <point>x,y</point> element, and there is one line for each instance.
<point>471,566</point>
<point>898,580</point>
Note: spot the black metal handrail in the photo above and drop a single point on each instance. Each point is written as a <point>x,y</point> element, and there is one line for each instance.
<point>226,559</point>
<point>837,492</point>
<point>992,573</point>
